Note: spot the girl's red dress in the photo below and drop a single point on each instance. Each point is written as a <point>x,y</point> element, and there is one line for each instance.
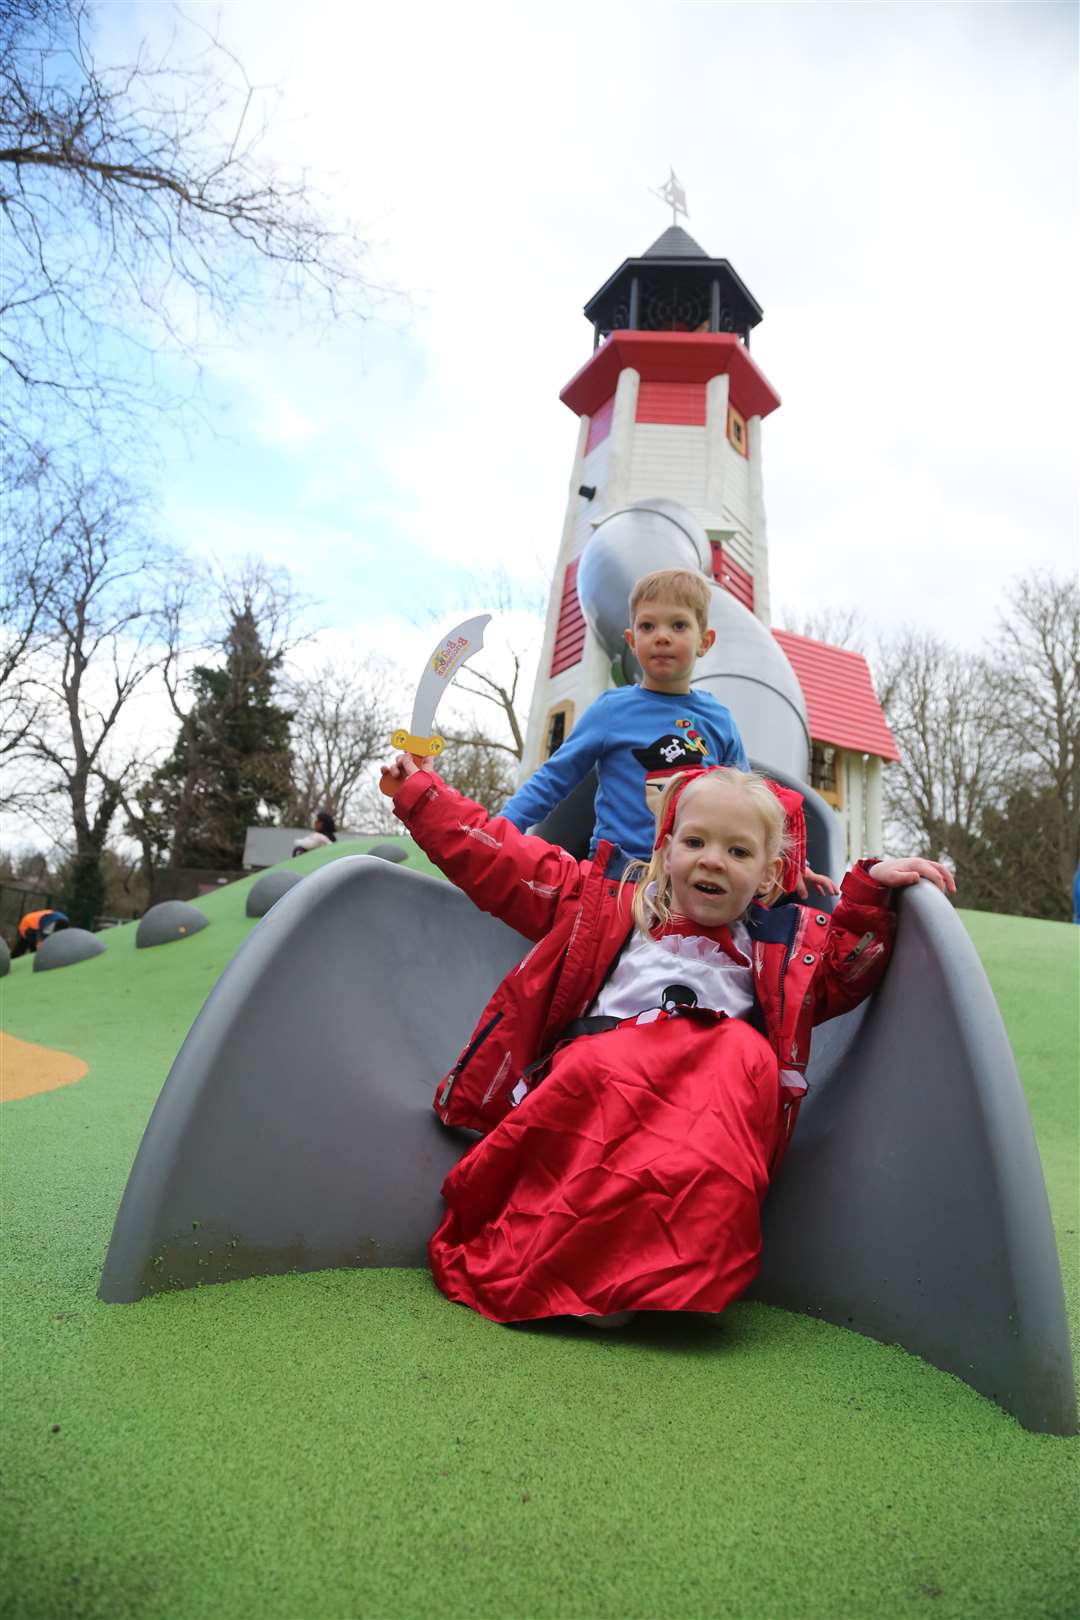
<point>626,1170</point>
<point>631,1179</point>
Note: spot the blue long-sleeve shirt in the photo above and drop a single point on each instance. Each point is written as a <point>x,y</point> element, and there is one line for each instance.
<point>619,721</point>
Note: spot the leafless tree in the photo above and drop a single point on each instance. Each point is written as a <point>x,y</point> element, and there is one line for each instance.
<point>100,644</point>
<point>504,695</point>
<point>372,811</point>
<point>479,769</point>
<point>29,561</point>
<point>1036,687</point>
<point>142,218</point>
<point>837,626</point>
<point>342,718</point>
<point>472,766</point>
<point>498,677</point>
<point>940,707</point>
<point>990,774</point>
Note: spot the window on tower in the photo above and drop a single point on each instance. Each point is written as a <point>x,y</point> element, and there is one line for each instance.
<point>557,724</point>
<point>736,431</point>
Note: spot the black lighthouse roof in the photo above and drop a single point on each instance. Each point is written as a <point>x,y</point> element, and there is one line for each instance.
<point>674,287</point>
<point>676,244</point>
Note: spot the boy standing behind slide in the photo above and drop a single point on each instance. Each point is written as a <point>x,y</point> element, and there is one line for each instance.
<point>636,731</point>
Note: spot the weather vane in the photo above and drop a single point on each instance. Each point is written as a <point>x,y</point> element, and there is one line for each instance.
<point>673,194</point>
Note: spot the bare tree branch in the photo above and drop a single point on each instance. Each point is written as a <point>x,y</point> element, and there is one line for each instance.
<point>1037,690</point>
<point>837,626</point>
<point>142,218</point>
<point>510,660</point>
<point>342,719</point>
<point>989,777</point>
<point>95,644</point>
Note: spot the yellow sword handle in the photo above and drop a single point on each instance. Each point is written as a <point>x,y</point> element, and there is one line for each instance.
<point>425,747</point>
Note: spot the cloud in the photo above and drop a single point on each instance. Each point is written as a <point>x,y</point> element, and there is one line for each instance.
<point>893,182</point>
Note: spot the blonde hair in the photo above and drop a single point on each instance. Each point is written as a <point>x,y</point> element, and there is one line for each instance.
<point>691,591</point>
<point>649,909</point>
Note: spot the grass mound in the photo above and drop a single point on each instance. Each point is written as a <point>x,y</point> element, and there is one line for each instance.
<point>345,1444</point>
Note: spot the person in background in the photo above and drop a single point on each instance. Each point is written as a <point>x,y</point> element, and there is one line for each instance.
<point>324,832</point>
<point>36,926</point>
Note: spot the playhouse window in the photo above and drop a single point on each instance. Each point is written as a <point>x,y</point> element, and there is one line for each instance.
<point>824,771</point>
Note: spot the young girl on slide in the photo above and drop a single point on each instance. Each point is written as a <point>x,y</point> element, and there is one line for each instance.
<point>638,1074</point>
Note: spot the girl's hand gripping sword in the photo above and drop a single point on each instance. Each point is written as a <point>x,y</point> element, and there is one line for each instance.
<point>452,651</point>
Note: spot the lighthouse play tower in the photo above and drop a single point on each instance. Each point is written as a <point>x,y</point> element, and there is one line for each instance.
<point>671,407</point>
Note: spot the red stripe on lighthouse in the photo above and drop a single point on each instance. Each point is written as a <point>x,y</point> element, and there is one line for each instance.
<point>680,403</point>
<point>570,632</point>
<point>671,357</point>
<point>733,578</point>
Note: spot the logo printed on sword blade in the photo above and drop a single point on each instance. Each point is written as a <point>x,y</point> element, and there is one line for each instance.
<point>445,659</point>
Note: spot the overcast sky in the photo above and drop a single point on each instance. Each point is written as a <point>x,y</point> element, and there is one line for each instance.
<point>894,182</point>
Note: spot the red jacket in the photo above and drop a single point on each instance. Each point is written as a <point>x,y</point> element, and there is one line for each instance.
<point>808,965</point>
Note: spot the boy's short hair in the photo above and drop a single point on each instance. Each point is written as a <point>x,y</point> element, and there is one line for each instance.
<point>691,591</point>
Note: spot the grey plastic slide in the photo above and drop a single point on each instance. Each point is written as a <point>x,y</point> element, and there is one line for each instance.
<point>911,1206</point>
<point>295,1132</point>
<point>295,1129</point>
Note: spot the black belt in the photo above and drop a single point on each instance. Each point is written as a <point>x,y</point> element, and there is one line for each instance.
<point>596,1024</point>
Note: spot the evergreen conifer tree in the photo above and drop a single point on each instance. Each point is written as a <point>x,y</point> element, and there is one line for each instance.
<point>231,765</point>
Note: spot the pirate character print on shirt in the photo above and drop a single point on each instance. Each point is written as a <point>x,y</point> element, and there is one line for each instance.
<point>675,996</point>
<point>681,750</point>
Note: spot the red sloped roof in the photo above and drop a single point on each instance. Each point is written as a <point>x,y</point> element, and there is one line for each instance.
<point>841,703</point>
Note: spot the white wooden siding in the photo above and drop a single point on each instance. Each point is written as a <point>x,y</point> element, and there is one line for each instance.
<point>737,489</point>
<point>669,460</point>
<point>594,472</point>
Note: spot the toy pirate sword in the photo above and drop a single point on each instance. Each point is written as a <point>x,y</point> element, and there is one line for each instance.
<point>453,651</point>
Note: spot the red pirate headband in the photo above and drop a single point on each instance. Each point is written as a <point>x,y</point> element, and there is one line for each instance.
<point>795,822</point>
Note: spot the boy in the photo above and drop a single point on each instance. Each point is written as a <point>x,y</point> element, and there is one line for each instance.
<point>649,730</point>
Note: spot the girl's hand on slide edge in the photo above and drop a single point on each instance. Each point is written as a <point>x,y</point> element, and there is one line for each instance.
<point>901,873</point>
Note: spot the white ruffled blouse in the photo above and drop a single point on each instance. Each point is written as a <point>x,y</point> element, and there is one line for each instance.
<point>679,970</point>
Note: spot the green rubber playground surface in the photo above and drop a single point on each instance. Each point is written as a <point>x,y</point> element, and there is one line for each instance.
<point>348,1444</point>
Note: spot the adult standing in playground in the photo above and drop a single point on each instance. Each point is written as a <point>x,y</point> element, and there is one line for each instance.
<point>36,926</point>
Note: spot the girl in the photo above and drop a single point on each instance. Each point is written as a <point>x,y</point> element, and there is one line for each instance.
<point>669,1023</point>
